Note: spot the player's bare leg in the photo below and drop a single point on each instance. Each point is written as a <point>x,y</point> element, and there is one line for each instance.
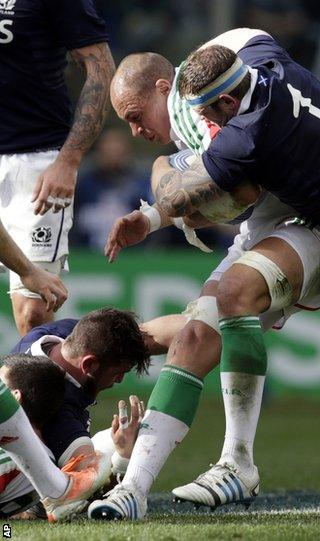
<point>174,400</point>
<point>29,313</point>
<point>242,295</point>
<point>29,309</point>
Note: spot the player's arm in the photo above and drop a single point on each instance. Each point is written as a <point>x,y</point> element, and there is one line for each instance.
<point>34,278</point>
<point>182,193</point>
<point>59,179</point>
<point>133,228</point>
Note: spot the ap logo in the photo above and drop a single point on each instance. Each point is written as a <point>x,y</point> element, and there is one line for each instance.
<point>7,5</point>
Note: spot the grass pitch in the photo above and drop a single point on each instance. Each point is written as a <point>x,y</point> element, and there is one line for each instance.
<point>286,451</point>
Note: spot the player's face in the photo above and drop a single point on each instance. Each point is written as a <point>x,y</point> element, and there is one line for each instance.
<point>220,112</point>
<point>147,117</point>
<point>110,375</point>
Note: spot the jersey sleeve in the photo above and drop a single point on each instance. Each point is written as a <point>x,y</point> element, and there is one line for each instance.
<point>62,431</point>
<point>231,158</point>
<point>61,328</point>
<point>76,23</point>
<point>263,49</point>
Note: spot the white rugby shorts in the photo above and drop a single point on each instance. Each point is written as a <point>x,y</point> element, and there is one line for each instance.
<point>41,238</point>
<point>269,220</point>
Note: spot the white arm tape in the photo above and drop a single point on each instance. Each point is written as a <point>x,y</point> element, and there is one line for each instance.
<point>119,463</point>
<point>152,214</point>
<point>191,235</point>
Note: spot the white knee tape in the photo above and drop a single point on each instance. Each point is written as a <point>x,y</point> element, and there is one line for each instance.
<point>204,309</point>
<point>279,288</point>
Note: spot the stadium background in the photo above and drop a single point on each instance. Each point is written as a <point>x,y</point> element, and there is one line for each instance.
<point>164,273</point>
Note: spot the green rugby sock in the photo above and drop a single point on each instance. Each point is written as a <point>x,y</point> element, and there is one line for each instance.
<point>170,412</point>
<point>243,348</point>
<point>242,372</point>
<point>176,393</point>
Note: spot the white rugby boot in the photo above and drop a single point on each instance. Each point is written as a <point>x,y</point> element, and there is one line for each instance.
<point>122,502</point>
<point>223,483</point>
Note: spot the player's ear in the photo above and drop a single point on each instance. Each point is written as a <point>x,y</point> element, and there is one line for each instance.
<point>90,365</point>
<point>17,394</point>
<point>228,104</point>
<point>164,86</point>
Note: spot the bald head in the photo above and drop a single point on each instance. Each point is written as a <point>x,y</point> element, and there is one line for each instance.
<point>138,73</point>
<point>139,93</point>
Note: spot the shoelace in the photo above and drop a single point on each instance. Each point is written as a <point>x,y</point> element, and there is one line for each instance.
<point>217,475</point>
<point>117,488</point>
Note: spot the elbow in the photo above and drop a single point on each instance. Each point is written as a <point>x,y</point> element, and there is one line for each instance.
<point>171,206</point>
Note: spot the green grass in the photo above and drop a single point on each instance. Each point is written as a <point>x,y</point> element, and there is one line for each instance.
<point>286,451</point>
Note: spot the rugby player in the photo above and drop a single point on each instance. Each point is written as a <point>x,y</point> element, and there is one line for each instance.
<point>38,386</point>
<point>268,268</point>
<point>41,147</point>
<point>63,493</point>
<point>95,353</point>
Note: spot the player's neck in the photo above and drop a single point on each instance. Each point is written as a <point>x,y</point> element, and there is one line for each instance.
<point>69,365</point>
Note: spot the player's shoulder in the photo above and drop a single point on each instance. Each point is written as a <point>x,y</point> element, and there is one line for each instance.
<point>61,328</point>
<point>261,50</point>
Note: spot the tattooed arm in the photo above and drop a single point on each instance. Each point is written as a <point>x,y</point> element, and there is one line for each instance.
<point>182,193</point>
<point>59,179</point>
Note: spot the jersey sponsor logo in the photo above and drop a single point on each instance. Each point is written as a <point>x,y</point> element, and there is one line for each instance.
<point>7,5</point>
<point>42,236</point>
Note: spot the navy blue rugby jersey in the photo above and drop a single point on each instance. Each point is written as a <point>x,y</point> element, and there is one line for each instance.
<point>276,141</point>
<point>35,111</point>
<point>72,421</point>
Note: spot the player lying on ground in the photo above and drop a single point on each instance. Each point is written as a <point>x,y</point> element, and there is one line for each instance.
<point>25,462</point>
<point>95,352</point>
<point>268,268</point>
<point>38,386</point>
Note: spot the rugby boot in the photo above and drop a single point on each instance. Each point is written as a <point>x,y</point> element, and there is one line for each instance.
<point>122,502</point>
<point>223,483</point>
<point>87,473</point>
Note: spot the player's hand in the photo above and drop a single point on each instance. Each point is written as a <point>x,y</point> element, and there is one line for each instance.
<point>126,231</point>
<point>55,187</point>
<point>46,284</point>
<point>124,433</point>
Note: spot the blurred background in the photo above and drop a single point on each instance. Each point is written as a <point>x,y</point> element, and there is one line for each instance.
<point>165,273</point>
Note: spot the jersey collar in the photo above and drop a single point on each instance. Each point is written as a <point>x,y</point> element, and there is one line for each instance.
<point>246,100</point>
<point>37,348</point>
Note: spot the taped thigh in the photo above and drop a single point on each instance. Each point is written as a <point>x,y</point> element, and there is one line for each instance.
<point>204,309</point>
<point>280,290</point>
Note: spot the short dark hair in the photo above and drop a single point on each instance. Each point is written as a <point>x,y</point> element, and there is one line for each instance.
<point>203,66</point>
<point>41,382</point>
<point>112,336</point>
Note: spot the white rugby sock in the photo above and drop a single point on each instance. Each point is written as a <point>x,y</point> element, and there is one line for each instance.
<point>158,437</point>
<point>242,409</point>
<point>20,441</point>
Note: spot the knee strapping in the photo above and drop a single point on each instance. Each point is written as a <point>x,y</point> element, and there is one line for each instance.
<point>280,290</point>
<point>204,309</point>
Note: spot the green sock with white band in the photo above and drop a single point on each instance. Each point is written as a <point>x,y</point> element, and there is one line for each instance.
<point>170,412</point>
<point>242,372</point>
